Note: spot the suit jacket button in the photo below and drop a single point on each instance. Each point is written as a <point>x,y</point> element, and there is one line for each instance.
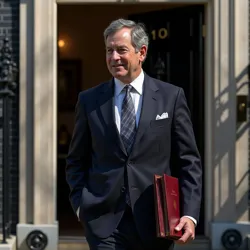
<point>123,189</point>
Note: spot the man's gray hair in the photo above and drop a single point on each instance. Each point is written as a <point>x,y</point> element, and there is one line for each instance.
<point>139,36</point>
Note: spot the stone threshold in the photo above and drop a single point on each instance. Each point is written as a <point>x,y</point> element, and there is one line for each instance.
<point>79,243</point>
<point>10,245</point>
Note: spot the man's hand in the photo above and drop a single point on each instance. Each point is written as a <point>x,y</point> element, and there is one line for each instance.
<point>187,225</point>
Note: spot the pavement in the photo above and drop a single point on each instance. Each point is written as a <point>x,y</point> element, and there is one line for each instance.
<point>73,246</point>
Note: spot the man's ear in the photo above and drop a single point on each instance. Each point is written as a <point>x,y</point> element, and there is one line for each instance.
<point>143,52</point>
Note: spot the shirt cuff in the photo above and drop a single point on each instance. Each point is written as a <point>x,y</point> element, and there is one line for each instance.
<point>191,218</point>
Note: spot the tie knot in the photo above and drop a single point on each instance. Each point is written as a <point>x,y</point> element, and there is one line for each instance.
<point>128,88</point>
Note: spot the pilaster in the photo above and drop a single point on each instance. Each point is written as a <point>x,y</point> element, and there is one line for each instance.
<point>230,163</point>
<point>38,121</point>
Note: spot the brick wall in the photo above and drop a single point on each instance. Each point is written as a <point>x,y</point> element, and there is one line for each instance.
<point>9,26</point>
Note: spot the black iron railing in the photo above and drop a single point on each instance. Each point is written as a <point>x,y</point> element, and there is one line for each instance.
<point>8,72</point>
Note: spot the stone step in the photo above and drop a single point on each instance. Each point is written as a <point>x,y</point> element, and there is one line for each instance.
<point>76,243</point>
<point>72,243</point>
<point>198,244</point>
<point>73,246</point>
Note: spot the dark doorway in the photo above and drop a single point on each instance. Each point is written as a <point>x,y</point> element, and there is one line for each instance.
<point>176,55</point>
<point>68,223</point>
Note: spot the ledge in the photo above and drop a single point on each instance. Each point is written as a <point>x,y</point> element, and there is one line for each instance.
<point>79,243</point>
<point>11,244</point>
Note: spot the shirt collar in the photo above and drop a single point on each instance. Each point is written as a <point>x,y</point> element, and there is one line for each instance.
<point>137,84</point>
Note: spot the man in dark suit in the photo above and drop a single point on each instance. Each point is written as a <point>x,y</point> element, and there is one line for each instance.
<point>127,130</point>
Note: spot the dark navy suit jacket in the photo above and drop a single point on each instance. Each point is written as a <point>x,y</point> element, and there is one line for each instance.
<point>97,158</point>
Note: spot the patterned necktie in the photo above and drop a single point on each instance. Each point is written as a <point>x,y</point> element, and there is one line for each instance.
<point>128,126</point>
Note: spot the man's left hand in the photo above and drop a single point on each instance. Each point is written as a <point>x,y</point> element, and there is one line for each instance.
<point>187,225</point>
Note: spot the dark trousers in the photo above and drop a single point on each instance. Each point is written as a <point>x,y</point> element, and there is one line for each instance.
<point>125,237</point>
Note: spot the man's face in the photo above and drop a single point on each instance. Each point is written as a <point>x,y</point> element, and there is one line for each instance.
<point>123,62</point>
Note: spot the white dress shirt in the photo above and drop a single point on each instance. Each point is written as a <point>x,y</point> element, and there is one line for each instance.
<point>136,95</point>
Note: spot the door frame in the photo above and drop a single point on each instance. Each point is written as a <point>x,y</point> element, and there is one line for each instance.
<point>38,103</point>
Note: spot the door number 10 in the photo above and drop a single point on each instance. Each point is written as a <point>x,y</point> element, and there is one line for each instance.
<point>161,33</point>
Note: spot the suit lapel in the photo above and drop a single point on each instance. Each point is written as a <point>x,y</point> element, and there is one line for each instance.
<point>148,109</point>
<point>106,114</point>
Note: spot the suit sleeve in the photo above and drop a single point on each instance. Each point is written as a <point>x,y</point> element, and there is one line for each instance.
<point>78,159</point>
<point>187,158</point>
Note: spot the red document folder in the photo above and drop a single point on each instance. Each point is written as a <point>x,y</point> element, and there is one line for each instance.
<point>167,206</point>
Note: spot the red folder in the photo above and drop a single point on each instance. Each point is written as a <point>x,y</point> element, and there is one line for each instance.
<point>167,206</point>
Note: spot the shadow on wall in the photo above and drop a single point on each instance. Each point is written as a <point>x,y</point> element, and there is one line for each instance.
<point>231,182</point>
<point>230,140</point>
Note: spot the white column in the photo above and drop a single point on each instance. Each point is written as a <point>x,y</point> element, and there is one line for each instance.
<point>230,63</point>
<point>38,120</point>
<point>224,113</point>
<point>242,131</point>
<point>45,111</point>
<point>26,113</point>
<point>229,189</point>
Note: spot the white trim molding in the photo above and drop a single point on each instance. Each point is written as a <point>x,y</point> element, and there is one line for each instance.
<point>38,111</point>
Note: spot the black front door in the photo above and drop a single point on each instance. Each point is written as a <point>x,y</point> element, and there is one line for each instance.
<point>176,55</point>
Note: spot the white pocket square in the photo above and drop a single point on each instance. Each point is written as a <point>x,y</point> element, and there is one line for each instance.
<point>163,116</point>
